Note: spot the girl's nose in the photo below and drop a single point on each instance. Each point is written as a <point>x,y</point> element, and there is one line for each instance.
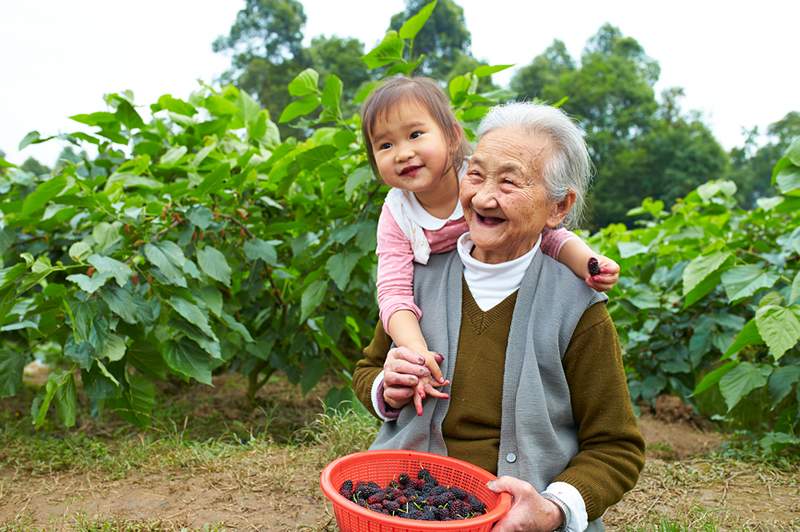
<point>404,153</point>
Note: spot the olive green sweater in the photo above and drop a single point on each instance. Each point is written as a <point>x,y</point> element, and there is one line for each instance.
<point>611,452</point>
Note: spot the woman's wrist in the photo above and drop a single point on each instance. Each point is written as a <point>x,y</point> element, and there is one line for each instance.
<point>557,513</point>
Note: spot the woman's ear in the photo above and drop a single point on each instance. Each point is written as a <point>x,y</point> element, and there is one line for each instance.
<point>560,210</point>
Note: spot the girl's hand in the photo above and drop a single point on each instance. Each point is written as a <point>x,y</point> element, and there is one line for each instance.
<point>608,276</point>
<point>529,512</point>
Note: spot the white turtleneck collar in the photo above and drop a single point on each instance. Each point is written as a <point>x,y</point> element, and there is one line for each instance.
<point>492,283</point>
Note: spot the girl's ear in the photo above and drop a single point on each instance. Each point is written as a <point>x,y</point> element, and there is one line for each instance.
<point>560,210</point>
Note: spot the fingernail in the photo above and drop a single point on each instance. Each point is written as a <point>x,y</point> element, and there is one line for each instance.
<point>490,484</point>
<point>420,360</point>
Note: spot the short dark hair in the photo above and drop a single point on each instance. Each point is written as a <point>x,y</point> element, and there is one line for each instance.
<point>426,93</point>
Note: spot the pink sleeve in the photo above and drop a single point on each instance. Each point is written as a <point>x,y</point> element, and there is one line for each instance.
<point>395,269</point>
<point>554,239</point>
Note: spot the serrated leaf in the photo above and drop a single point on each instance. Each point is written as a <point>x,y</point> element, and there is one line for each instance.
<point>66,398</point>
<point>31,137</point>
<point>213,263</point>
<point>311,298</point>
<point>176,105</point>
<point>107,266</point>
<point>411,27</point>
<point>89,284</point>
<point>43,193</point>
<point>79,352</point>
<point>186,358</point>
<point>42,402</point>
<point>136,404</point>
<point>742,380</point>
<point>788,179</point>
<point>744,281</point>
<point>360,176</point>
<point>200,216</point>
<point>79,251</point>
<point>701,274</point>
<point>779,327</point>
<point>231,322</point>
<point>781,382</point>
<point>12,365</point>
<point>795,294</point>
<point>162,257</point>
<point>106,236</point>
<point>793,152</point>
<point>256,249</point>
<point>340,266</point>
<point>388,51</point>
<point>193,314</point>
<point>459,86</point>
<point>747,336</point>
<point>304,83</point>
<point>300,107</point>
<point>211,298</point>
<point>132,308</point>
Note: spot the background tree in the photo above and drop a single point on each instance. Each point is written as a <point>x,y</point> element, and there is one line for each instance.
<point>33,166</point>
<point>751,165</point>
<point>640,147</point>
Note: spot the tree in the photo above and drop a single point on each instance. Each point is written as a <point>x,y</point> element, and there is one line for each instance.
<point>751,165</point>
<point>445,39</point>
<point>639,147</point>
<point>35,167</point>
<point>340,56</point>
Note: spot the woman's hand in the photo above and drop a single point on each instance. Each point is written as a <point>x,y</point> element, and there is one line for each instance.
<point>405,377</point>
<point>530,512</point>
<point>608,276</point>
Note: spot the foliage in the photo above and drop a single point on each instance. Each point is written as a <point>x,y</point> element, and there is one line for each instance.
<point>640,147</point>
<point>709,306</point>
<point>195,242</point>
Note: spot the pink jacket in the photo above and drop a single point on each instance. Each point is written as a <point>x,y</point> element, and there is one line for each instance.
<point>395,259</point>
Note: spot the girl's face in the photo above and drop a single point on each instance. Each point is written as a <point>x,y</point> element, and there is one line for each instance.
<point>410,148</point>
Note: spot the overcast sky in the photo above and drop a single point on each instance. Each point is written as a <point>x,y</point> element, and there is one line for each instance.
<point>736,60</point>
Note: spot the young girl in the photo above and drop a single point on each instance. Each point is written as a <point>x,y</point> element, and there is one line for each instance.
<point>417,146</point>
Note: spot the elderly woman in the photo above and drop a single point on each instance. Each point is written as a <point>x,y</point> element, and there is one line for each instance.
<point>538,391</point>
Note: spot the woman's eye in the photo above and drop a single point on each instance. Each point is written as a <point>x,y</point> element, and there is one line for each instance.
<point>509,181</point>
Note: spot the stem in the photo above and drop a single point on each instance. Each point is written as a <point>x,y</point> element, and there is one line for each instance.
<point>253,383</point>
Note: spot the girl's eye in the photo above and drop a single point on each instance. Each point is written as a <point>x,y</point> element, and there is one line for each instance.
<point>385,146</point>
<point>416,134</point>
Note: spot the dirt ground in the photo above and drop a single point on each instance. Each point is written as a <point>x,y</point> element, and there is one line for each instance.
<point>275,488</point>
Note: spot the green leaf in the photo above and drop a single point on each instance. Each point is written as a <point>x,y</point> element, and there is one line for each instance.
<point>742,380</point>
<point>163,257</point>
<point>644,298</point>
<point>487,70</point>
<point>186,358</point>
<point>231,322</point>
<point>132,308</point>
<point>136,404</point>
<point>114,348</point>
<point>43,193</point>
<point>331,95</point>
<point>747,336</point>
<point>99,118</point>
<point>313,370</point>
<point>795,295</point>
<point>32,137</point>
<point>89,284</point>
<point>193,314</point>
<point>701,276</point>
<point>312,297</point>
<point>744,281</point>
<point>66,400</point>
<point>781,382</point>
<point>200,216</point>
<point>214,181</point>
<point>793,152</point>
<point>304,83</point>
<point>173,155</point>
<point>109,267</point>
<point>301,107</point>
<point>12,364</point>
<point>213,263</point>
<point>256,249</point>
<point>80,352</point>
<point>788,179</point>
<point>106,236</point>
<point>388,51</point>
<point>459,86</point>
<point>175,105</point>
<point>411,27</point>
<point>41,404</point>
<point>340,267</point>
<point>779,327</point>
<point>361,175</point>
<point>210,298</point>
<point>631,249</point>
<point>79,251</point>
<point>713,377</point>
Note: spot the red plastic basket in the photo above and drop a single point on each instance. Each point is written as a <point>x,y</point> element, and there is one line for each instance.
<point>383,466</point>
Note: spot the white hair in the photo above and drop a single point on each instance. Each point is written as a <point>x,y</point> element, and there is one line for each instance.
<point>569,167</point>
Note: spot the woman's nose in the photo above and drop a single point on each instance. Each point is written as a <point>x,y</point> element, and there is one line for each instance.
<point>484,197</point>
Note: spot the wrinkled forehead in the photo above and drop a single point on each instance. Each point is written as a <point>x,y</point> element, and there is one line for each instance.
<point>512,146</point>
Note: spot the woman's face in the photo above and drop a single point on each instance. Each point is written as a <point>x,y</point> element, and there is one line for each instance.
<point>505,201</point>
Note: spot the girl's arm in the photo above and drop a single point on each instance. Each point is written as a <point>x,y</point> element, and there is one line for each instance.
<point>571,251</point>
<point>398,312</point>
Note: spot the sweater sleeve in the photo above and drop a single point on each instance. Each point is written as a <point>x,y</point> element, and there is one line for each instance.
<point>370,366</point>
<point>395,269</point>
<point>554,239</point>
<point>611,448</point>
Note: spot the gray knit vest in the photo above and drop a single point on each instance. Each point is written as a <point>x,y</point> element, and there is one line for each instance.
<point>538,436</point>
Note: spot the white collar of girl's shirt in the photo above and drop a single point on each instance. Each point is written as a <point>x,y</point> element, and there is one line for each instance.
<point>491,283</point>
<point>417,213</point>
